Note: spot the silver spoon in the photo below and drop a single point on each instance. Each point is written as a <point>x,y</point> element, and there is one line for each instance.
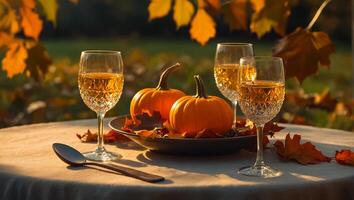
<point>74,158</point>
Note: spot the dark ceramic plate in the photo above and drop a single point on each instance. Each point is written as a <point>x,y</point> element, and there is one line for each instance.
<point>185,146</point>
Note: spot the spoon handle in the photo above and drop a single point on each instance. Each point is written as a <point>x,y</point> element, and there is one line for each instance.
<point>130,172</point>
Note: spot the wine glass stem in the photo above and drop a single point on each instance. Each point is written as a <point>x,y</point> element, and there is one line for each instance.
<point>234,103</point>
<point>100,140</point>
<point>259,160</point>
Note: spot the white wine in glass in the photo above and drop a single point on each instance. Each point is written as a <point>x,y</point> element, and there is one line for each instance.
<point>226,69</point>
<point>260,100</point>
<point>101,84</point>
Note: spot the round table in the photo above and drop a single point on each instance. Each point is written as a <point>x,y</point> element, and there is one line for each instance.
<point>29,169</point>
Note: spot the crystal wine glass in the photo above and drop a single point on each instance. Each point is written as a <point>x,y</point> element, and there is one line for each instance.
<point>101,84</point>
<point>226,67</point>
<point>261,98</point>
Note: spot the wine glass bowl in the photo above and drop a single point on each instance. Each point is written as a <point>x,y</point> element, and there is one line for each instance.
<point>260,99</point>
<point>100,83</point>
<point>226,69</point>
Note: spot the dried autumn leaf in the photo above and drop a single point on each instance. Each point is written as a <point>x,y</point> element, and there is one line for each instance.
<point>273,14</point>
<point>182,12</point>
<point>215,4</point>
<point>345,157</point>
<point>302,153</point>
<point>257,5</point>
<point>15,57</point>
<point>5,40</point>
<point>109,137</point>
<point>146,121</point>
<point>303,51</point>
<point>8,18</point>
<point>38,61</point>
<point>31,23</point>
<point>202,27</point>
<point>236,14</point>
<point>50,8</point>
<point>159,8</point>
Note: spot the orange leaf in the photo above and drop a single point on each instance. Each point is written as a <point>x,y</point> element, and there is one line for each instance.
<point>109,137</point>
<point>159,8</point>
<point>345,157</point>
<point>183,11</point>
<point>5,39</point>
<point>236,14</point>
<point>14,61</point>
<point>215,4</point>
<point>8,18</point>
<point>273,14</point>
<point>202,27</point>
<point>31,23</point>
<point>303,51</point>
<point>302,153</point>
<point>257,5</point>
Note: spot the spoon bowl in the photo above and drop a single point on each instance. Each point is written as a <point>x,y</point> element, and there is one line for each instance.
<point>74,158</point>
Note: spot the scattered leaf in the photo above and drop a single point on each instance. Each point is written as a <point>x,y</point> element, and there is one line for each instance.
<point>345,157</point>
<point>273,14</point>
<point>202,27</point>
<point>31,23</point>
<point>15,57</point>
<point>303,51</point>
<point>146,121</point>
<point>109,137</point>
<point>50,8</point>
<point>182,12</point>
<point>302,153</point>
<point>236,14</point>
<point>159,8</point>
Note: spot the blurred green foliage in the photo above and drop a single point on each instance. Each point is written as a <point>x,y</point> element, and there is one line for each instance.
<point>57,98</point>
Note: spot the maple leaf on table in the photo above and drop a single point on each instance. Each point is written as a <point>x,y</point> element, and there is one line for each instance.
<point>109,137</point>
<point>302,153</point>
<point>345,157</point>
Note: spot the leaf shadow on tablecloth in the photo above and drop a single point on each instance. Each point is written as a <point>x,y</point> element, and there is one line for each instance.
<point>227,165</point>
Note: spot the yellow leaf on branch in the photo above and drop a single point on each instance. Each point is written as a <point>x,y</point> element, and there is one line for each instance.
<point>257,5</point>
<point>159,8</point>
<point>273,14</point>
<point>50,8</point>
<point>14,61</point>
<point>202,27</point>
<point>31,23</point>
<point>182,12</point>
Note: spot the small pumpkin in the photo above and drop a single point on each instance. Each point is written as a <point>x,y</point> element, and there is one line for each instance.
<point>192,114</point>
<point>158,99</point>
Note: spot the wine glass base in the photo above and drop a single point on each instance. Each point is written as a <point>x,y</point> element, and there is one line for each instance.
<point>263,171</point>
<point>102,156</point>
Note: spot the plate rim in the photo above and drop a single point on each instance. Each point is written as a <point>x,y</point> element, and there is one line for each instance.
<point>172,139</point>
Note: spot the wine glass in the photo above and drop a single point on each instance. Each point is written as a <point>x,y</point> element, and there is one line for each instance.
<point>101,83</point>
<point>226,67</point>
<point>261,98</point>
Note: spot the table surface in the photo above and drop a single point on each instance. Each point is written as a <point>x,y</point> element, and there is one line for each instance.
<point>29,169</point>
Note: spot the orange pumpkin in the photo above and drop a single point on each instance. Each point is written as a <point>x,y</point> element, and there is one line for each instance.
<point>158,99</point>
<point>192,114</point>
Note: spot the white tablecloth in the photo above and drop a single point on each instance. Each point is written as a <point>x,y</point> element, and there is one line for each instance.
<point>30,170</point>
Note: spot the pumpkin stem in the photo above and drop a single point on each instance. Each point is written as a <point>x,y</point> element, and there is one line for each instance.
<point>201,93</point>
<point>163,77</point>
